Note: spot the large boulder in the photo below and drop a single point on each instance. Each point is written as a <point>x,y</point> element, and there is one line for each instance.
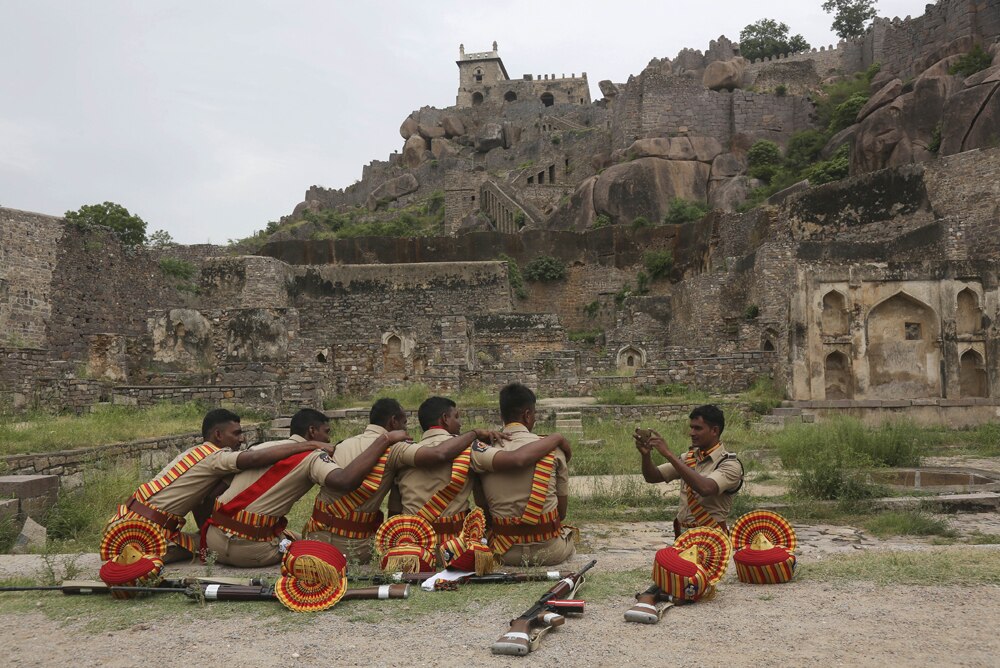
<point>442,148</point>
<point>392,190</point>
<point>724,74</point>
<point>877,143</point>
<point>884,96</point>
<point>491,136</point>
<point>972,117</point>
<point>430,131</point>
<point>409,127</point>
<point>645,187</point>
<point>727,194</point>
<point>578,213</point>
<point>452,126</point>
<point>726,165</point>
<point>703,149</point>
<point>608,89</point>
<point>413,151</point>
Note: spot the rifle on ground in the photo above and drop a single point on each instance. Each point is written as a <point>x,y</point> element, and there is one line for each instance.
<point>650,606</point>
<point>266,593</point>
<point>489,578</point>
<point>166,586</point>
<point>526,631</point>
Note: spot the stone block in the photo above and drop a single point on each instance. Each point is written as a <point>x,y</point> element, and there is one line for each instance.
<point>33,536</point>
<point>949,403</point>
<point>26,486</point>
<point>896,403</point>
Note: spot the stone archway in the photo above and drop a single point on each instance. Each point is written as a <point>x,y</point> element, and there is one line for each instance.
<point>969,316</point>
<point>392,356</point>
<point>903,353</point>
<point>548,99</point>
<point>630,358</point>
<point>972,375</point>
<point>834,319</point>
<point>837,376</point>
<point>509,96</point>
<point>477,99</point>
<point>769,340</point>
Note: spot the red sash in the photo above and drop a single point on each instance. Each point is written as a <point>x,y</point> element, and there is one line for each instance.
<point>237,506</point>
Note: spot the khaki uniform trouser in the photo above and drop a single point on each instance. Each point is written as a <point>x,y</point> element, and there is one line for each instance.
<point>357,550</point>
<point>553,551</point>
<point>241,552</point>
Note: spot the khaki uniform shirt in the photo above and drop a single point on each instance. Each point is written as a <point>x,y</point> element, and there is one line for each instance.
<point>727,476</point>
<point>278,500</point>
<point>182,495</point>
<point>417,486</point>
<point>347,451</point>
<point>507,492</point>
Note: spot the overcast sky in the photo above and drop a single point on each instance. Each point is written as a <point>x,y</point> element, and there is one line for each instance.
<point>209,119</point>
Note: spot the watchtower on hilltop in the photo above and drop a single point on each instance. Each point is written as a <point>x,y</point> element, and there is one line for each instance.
<point>483,79</point>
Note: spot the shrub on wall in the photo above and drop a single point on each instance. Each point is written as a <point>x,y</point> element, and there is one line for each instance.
<point>974,61</point>
<point>658,263</point>
<point>682,211</point>
<point>514,277</point>
<point>130,229</point>
<point>545,268</point>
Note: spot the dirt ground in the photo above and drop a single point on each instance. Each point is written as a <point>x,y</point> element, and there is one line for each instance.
<point>805,623</point>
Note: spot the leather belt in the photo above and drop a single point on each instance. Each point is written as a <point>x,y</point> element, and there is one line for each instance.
<point>169,522</point>
<point>520,529</point>
<point>345,524</point>
<point>448,528</point>
<point>259,533</point>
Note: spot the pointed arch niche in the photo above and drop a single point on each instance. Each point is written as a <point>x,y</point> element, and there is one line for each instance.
<point>972,375</point>
<point>903,353</point>
<point>630,358</point>
<point>833,322</point>
<point>837,376</point>
<point>969,314</point>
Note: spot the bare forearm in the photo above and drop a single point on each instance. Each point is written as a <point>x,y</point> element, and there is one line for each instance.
<point>444,452</point>
<point>528,454</point>
<point>350,477</point>
<point>255,459</point>
<point>649,471</point>
<point>701,485</point>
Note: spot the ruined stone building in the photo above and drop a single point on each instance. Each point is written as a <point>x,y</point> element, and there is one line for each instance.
<point>877,287</point>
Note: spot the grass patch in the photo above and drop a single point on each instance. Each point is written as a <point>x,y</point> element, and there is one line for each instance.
<point>945,566</point>
<point>908,523</point>
<point>899,443</point>
<point>42,432</point>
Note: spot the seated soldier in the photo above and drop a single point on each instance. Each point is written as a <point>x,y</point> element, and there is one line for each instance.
<point>434,480</point>
<point>349,517</point>
<point>248,523</point>
<point>526,529</point>
<point>185,483</point>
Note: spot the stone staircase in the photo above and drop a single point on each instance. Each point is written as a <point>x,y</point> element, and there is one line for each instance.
<point>279,428</point>
<point>783,415</point>
<point>569,423</point>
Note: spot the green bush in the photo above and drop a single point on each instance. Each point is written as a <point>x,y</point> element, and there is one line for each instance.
<point>658,263</point>
<point>130,229</point>
<point>845,114</point>
<point>764,152</point>
<point>751,312</point>
<point>585,336</point>
<point>781,90</point>
<point>602,220</point>
<point>640,222</point>
<point>682,211</point>
<point>642,283</point>
<point>872,70</point>
<point>974,61</point>
<point>935,144</point>
<point>591,309</point>
<point>180,269</point>
<point>836,168</point>
<point>804,149</point>
<point>616,396</point>
<point>514,276</point>
<point>545,268</point>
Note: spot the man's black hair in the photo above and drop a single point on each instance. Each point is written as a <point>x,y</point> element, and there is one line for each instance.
<point>514,399</point>
<point>384,410</point>
<point>432,409</point>
<point>305,418</point>
<point>711,414</point>
<point>214,418</point>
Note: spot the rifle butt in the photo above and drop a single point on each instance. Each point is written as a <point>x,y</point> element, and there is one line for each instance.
<point>382,592</point>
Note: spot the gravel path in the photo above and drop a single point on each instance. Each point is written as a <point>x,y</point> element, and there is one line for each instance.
<point>803,623</point>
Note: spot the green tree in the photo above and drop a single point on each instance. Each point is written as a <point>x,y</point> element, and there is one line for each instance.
<point>159,239</point>
<point>767,38</point>
<point>130,229</point>
<point>850,17</point>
